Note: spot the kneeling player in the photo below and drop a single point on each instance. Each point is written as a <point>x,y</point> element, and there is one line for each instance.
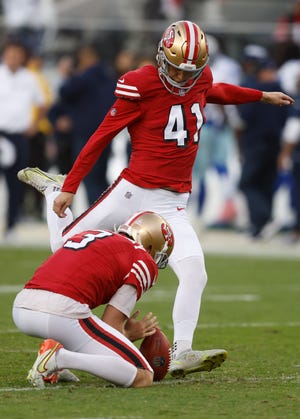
<point>93,268</point>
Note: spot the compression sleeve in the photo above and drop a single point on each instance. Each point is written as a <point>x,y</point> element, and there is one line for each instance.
<point>122,113</point>
<point>124,299</point>
<point>229,94</point>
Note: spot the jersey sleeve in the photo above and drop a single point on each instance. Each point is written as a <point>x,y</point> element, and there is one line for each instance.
<point>142,275</point>
<point>122,113</point>
<point>229,94</point>
<point>126,88</point>
<point>132,84</point>
<point>124,299</point>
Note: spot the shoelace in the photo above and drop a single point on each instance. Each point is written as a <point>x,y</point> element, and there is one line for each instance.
<point>172,351</point>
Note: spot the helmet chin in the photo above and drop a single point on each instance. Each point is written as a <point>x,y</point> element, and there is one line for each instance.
<point>179,89</point>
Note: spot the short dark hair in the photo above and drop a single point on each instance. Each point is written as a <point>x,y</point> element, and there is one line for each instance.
<point>16,43</point>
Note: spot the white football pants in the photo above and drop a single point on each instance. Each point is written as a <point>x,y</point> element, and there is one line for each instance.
<point>120,202</point>
<point>90,345</point>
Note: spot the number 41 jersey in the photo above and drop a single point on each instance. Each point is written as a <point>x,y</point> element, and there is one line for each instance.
<point>93,265</point>
<point>165,133</point>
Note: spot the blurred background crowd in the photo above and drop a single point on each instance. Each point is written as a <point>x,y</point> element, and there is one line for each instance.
<point>60,60</point>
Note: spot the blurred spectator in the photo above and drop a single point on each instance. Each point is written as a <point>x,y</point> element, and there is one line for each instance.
<point>64,70</point>
<point>288,25</point>
<point>164,9</point>
<point>283,52</point>
<point>260,142</point>
<point>217,136</point>
<point>28,21</point>
<point>143,60</point>
<point>253,56</point>
<point>290,156</point>
<point>88,95</point>
<point>62,156</point>
<point>39,141</point>
<point>288,73</point>
<point>124,61</point>
<point>19,92</point>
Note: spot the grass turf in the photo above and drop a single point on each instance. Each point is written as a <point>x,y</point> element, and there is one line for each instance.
<point>250,307</point>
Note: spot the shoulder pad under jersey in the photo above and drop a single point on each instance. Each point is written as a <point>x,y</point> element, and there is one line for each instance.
<point>135,84</point>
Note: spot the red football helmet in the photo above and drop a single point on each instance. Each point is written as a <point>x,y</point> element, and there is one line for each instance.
<point>184,47</point>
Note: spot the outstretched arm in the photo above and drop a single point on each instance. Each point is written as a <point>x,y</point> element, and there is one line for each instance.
<point>230,94</point>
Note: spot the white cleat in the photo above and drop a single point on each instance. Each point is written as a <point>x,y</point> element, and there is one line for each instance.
<point>196,361</point>
<point>61,376</point>
<point>52,375</point>
<point>40,180</point>
<point>45,364</point>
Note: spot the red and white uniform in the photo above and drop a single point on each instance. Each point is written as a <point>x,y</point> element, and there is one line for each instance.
<point>92,268</point>
<point>164,129</point>
<point>93,265</point>
<point>165,134</point>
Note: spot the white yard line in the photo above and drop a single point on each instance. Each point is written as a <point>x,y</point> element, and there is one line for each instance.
<point>246,325</point>
<point>10,289</point>
<point>206,326</point>
<point>156,295</point>
<point>282,378</point>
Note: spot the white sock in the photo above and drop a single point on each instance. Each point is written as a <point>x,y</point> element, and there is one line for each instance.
<point>111,368</point>
<point>192,280</point>
<point>56,225</point>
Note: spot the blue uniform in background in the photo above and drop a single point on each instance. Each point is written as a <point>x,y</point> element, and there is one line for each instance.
<point>260,145</point>
<point>88,96</point>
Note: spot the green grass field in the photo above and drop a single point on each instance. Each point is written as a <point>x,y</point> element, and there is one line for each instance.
<point>250,307</point>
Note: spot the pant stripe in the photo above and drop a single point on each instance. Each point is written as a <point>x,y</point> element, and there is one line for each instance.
<point>94,205</point>
<point>98,333</point>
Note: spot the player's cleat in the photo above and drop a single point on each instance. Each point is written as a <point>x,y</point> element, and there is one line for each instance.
<point>40,180</point>
<point>196,361</point>
<point>63,375</point>
<point>45,364</point>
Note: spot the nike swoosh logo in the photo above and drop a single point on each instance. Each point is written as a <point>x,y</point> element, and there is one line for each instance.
<point>42,365</point>
<point>180,208</point>
<point>121,80</point>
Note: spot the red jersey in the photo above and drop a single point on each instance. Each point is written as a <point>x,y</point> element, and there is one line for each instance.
<point>164,128</point>
<point>93,265</point>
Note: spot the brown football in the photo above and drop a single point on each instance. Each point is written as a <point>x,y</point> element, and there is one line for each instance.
<point>156,349</point>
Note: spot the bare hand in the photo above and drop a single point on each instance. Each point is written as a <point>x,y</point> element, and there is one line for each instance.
<point>62,202</point>
<point>138,329</point>
<point>277,98</point>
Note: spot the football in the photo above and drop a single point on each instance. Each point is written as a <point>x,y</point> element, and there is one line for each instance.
<point>156,349</point>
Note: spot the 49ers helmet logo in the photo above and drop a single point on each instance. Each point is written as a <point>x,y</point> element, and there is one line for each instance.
<point>168,235</point>
<point>169,37</point>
